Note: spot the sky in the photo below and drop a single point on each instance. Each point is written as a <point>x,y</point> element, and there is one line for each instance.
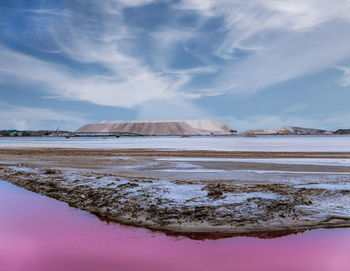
<point>252,64</point>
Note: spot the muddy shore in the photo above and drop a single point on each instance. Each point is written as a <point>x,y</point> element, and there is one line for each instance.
<point>199,197</point>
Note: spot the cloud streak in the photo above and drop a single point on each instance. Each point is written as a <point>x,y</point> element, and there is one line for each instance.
<point>345,80</point>
<point>284,40</point>
<point>109,53</point>
<point>263,121</point>
<point>30,118</point>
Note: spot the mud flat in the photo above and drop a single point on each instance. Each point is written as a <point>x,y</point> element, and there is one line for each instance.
<point>196,193</point>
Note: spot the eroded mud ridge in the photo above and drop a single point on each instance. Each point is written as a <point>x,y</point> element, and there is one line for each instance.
<point>201,205</point>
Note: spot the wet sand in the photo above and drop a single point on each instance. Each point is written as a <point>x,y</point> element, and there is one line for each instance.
<point>152,189</point>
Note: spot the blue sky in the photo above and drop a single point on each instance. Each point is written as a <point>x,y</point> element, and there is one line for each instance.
<point>252,64</point>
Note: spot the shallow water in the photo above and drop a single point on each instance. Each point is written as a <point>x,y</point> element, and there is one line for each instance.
<point>287,161</point>
<point>233,143</point>
<point>38,233</point>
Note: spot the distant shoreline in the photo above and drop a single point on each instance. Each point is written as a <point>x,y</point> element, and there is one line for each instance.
<point>235,135</point>
<point>97,131</point>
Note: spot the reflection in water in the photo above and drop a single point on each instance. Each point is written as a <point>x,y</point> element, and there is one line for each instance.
<point>38,233</point>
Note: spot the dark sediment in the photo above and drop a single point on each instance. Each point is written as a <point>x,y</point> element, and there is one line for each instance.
<point>210,211</point>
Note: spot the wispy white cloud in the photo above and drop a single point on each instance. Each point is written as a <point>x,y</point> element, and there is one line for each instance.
<point>127,89</point>
<point>134,3</point>
<point>167,38</point>
<point>172,109</point>
<point>331,121</point>
<point>295,108</point>
<point>345,80</point>
<point>30,118</point>
<point>281,40</point>
<point>103,40</point>
<point>248,20</point>
<point>298,55</point>
<point>286,40</point>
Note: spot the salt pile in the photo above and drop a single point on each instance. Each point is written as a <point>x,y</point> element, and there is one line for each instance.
<point>158,128</point>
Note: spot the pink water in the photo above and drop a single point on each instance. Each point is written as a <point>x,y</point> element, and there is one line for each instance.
<point>41,234</point>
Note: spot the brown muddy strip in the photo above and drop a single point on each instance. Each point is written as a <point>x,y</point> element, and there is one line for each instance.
<point>143,202</point>
<point>144,162</point>
<point>43,152</point>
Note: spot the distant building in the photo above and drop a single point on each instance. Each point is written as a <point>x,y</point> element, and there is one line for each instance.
<point>288,130</point>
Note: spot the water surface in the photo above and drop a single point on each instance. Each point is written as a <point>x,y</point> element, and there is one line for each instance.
<point>40,234</point>
<point>232,143</point>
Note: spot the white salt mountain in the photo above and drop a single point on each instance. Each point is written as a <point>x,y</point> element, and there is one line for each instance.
<point>157,128</point>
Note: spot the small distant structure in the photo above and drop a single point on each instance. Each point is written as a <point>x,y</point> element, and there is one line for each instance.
<point>250,133</point>
<point>342,132</point>
<point>38,133</point>
<point>288,130</point>
<point>155,128</point>
<point>10,133</point>
<point>310,131</point>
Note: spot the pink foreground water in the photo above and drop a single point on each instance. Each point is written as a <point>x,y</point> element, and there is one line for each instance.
<point>38,233</point>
